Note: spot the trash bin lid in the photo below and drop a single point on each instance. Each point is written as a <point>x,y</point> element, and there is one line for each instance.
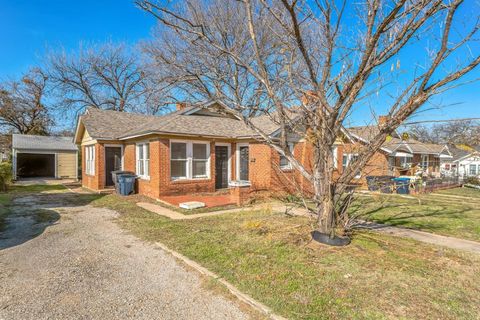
<point>124,176</point>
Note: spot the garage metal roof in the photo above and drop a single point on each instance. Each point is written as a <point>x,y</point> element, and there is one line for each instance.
<point>25,141</point>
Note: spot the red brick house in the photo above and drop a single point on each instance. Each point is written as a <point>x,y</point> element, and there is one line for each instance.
<point>196,150</point>
<point>403,156</point>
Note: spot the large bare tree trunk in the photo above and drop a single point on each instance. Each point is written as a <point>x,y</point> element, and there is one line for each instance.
<point>324,190</point>
<point>300,64</point>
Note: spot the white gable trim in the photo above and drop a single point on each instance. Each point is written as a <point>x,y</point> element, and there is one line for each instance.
<point>365,141</point>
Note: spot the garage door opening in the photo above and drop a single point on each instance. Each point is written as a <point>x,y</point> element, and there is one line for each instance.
<point>30,165</point>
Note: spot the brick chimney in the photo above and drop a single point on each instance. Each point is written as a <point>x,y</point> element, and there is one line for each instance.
<point>383,120</point>
<point>180,105</point>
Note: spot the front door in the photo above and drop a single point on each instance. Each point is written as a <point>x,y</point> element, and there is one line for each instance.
<point>221,167</point>
<point>113,162</point>
<point>244,162</point>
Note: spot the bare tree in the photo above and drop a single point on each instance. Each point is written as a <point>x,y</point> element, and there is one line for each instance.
<point>464,132</point>
<point>108,76</point>
<point>22,105</point>
<point>326,57</point>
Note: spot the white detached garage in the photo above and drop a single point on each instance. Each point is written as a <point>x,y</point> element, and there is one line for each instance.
<point>44,157</point>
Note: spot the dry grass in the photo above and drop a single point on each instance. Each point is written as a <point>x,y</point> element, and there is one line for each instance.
<point>439,214</point>
<point>464,192</point>
<point>270,257</point>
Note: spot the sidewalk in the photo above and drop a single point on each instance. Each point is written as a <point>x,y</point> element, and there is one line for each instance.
<point>175,215</point>
<point>426,237</point>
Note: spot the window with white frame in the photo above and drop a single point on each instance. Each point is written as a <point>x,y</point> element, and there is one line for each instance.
<point>199,160</point>
<point>284,162</point>
<point>406,162</point>
<point>391,164</point>
<point>348,158</point>
<point>90,160</point>
<point>143,160</point>
<point>424,163</point>
<point>473,169</point>
<point>189,160</point>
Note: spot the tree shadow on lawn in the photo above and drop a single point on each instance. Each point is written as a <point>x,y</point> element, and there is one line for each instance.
<point>29,215</point>
<point>417,219</point>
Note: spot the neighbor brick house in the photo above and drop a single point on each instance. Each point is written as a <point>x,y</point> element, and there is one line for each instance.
<point>403,155</point>
<point>197,149</point>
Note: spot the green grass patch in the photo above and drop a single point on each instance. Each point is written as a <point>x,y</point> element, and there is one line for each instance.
<point>270,256</point>
<point>46,216</point>
<point>4,211</point>
<point>431,213</point>
<point>4,199</point>
<point>464,192</point>
<point>35,188</point>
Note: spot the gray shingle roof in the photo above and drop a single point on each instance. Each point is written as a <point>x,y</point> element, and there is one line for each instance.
<point>367,133</point>
<point>24,141</point>
<point>193,125</point>
<point>108,125</point>
<point>459,153</point>
<point>111,125</point>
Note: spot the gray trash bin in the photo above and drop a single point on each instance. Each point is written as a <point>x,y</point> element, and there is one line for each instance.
<point>126,184</point>
<point>116,174</point>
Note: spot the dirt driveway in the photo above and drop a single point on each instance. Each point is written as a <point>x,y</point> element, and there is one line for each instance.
<point>61,259</point>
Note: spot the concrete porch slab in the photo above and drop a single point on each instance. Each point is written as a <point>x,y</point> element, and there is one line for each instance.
<point>192,205</point>
<point>209,200</point>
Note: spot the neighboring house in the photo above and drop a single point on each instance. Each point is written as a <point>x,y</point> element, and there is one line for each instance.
<point>5,147</point>
<point>43,156</point>
<point>465,163</point>
<point>405,156</point>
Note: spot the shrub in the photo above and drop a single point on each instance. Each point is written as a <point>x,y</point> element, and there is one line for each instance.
<point>5,175</point>
<point>472,180</point>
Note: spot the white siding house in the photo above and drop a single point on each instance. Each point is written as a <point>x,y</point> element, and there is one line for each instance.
<point>469,166</point>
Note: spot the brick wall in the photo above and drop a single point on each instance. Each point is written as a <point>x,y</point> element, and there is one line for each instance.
<point>291,181</point>
<point>160,182</point>
<point>149,187</point>
<point>96,182</point>
<point>376,166</point>
<point>259,170</point>
<point>264,170</point>
<point>170,187</point>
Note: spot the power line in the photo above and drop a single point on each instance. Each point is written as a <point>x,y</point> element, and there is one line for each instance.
<point>433,121</point>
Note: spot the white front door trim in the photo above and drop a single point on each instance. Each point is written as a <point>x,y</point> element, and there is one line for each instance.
<point>229,146</point>
<point>237,157</point>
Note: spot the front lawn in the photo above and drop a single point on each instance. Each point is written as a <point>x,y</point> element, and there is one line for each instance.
<point>438,214</point>
<point>464,192</point>
<point>36,188</point>
<point>4,202</point>
<point>270,256</point>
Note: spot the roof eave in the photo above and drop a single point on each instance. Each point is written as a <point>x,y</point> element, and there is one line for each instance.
<point>146,133</point>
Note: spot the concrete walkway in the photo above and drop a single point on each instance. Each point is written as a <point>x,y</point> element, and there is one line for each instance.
<point>454,197</point>
<point>175,215</point>
<point>427,237</point>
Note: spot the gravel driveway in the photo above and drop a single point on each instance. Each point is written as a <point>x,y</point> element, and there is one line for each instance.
<point>64,261</point>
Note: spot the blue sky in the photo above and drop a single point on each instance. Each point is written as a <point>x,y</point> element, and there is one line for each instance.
<point>29,28</point>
